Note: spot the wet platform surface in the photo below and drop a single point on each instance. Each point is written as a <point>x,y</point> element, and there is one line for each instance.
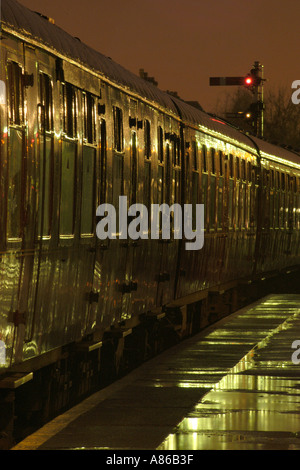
<point>233,386</point>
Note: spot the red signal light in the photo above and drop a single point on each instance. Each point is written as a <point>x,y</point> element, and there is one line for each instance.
<point>248,81</point>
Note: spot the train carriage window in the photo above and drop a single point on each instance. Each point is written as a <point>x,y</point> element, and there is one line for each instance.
<point>195,189</point>
<point>118,159</point>
<point>213,191</point>
<point>46,103</point>
<point>68,161</point>
<point>118,129</point>
<point>147,139</point>
<point>161,192</point>
<point>195,155</point>
<point>176,152</point>
<point>295,184</point>
<point>231,166</point>
<point>282,210</point>
<point>212,202</point>
<point>176,170</point>
<point>177,185</point>
<point>173,149</point>
<point>204,191</point>
<point>271,211</point>
<point>230,202</point>
<point>276,208</point>
<point>243,205</point>
<point>147,187</point>
<point>16,148</point>
<point>272,178</point>
<point>237,205</point>
<point>283,201</point>
<point>15,93</point>
<point>89,113</point>
<point>69,110</point>
<point>283,181</point>
<point>87,191</point>
<point>249,172</point>
<point>46,125</point>
<point>277,184</point>
<point>243,169</point>
<point>195,181</point>
<point>204,180</point>
<point>213,161</point>
<point>220,205</point>
<point>220,192</point>
<point>134,168</point>
<point>237,168</point>
<point>167,175</point>
<point>45,185</point>
<point>15,187</point>
<point>266,178</point>
<point>160,185</point>
<point>292,201</point>
<point>160,144</point>
<point>253,175</point>
<point>103,158</point>
<point>68,188</point>
<point>187,186</point>
<point>221,163</point>
<point>204,158</point>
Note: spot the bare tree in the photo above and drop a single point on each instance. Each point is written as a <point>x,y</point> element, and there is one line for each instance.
<point>282,118</point>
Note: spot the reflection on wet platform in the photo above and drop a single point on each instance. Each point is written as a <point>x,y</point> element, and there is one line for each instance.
<point>256,405</point>
<point>233,386</point>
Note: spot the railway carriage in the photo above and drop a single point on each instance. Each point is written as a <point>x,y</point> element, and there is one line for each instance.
<point>78,130</point>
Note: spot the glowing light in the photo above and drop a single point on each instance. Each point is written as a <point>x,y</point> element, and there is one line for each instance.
<point>216,120</point>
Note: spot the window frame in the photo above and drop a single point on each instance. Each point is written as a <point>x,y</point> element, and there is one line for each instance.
<point>118,129</point>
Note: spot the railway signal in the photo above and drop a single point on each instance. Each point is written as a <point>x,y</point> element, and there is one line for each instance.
<point>251,115</point>
<point>248,81</point>
<point>253,81</point>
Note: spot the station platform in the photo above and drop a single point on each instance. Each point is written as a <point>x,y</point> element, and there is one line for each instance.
<point>234,386</point>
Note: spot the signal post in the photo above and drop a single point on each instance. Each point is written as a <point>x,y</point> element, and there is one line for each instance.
<point>253,81</point>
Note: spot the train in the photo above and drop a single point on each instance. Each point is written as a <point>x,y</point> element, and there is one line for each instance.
<point>78,130</point>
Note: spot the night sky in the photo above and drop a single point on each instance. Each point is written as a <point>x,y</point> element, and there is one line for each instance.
<point>184,42</point>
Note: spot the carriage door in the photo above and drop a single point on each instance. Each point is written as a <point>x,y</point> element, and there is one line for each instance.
<point>87,252</point>
<point>42,105</point>
<point>15,197</point>
<point>171,195</point>
<point>45,146</point>
<point>130,285</point>
<point>21,195</point>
